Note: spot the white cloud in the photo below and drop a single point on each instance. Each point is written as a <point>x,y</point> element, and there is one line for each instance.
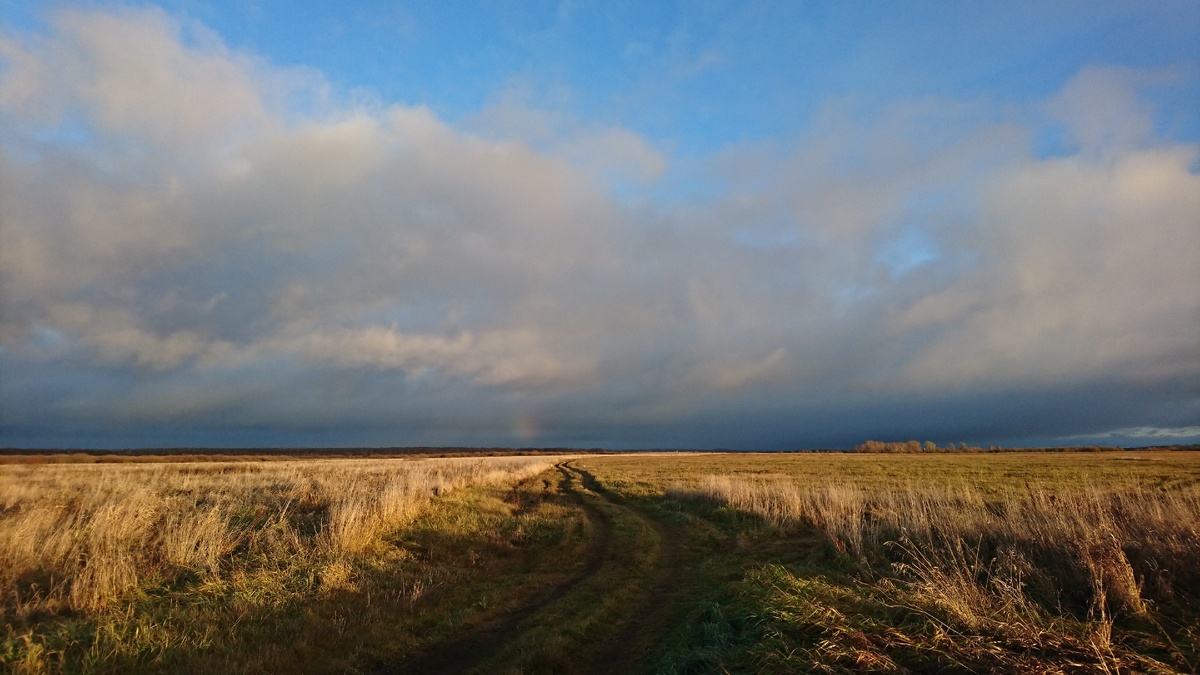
<point>118,338</point>
<point>1103,111</point>
<point>490,269</point>
<point>1084,265</point>
<point>494,358</point>
<point>609,154</point>
<point>130,73</point>
<point>1157,432</point>
<point>1166,434</point>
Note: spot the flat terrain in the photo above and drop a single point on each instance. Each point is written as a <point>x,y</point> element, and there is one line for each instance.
<point>656,563</point>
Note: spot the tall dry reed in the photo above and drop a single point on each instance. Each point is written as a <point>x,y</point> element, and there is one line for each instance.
<point>80,537</point>
<point>998,555</point>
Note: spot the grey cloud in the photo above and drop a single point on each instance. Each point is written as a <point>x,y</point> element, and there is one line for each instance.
<point>1102,110</point>
<point>373,274</point>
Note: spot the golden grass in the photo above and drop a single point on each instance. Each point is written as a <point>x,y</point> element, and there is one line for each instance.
<point>1007,561</point>
<point>83,537</point>
<point>991,562</point>
<point>987,472</point>
<point>982,562</point>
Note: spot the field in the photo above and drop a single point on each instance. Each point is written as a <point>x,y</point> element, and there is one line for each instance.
<point>664,563</point>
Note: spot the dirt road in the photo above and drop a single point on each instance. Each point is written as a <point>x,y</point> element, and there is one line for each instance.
<point>608,618</point>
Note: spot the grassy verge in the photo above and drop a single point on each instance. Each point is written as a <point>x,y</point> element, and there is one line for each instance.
<point>347,583</point>
<point>571,631</point>
<point>663,564</point>
<point>830,565</point>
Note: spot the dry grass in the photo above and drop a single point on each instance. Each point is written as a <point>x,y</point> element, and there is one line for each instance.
<point>79,538</point>
<point>984,563</point>
<point>1014,563</point>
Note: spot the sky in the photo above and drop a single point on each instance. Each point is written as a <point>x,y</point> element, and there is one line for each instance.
<point>746,225</point>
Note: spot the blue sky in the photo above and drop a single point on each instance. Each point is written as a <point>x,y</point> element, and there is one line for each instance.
<point>751,225</point>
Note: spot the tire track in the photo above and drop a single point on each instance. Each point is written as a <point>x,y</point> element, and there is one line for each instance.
<point>629,649</point>
<point>626,642</point>
<point>471,649</point>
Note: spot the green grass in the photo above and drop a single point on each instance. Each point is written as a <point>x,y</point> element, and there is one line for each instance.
<point>653,474</point>
<point>789,596</point>
<point>644,571</point>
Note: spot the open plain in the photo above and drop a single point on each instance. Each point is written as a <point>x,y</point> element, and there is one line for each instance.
<point>589,337</point>
<point>666,563</point>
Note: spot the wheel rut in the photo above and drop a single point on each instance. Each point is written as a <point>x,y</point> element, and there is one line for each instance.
<point>629,648</point>
<point>622,644</point>
<point>462,653</point>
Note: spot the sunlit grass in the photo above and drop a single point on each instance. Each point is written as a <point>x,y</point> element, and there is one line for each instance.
<point>777,563</point>
<point>891,562</point>
<point>131,563</point>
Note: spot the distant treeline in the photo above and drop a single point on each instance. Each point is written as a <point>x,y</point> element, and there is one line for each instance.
<point>927,446</point>
<point>92,455</point>
<point>930,446</point>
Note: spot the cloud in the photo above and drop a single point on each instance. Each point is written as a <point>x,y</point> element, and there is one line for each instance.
<point>183,242</point>
<point>1089,265</point>
<point>1140,436</point>
<point>732,374</point>
<point>1102,110</point>
<point>1154,432</point>
<point>609,154</point>
<point>496,358</point>
<point>131,73</point>
<point>116,338</point>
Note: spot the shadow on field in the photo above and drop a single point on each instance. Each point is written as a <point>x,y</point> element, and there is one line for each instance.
<point>477,644</point>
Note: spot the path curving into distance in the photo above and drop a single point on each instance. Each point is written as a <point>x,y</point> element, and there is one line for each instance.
<point>629,649</point>
<point>611,615</point>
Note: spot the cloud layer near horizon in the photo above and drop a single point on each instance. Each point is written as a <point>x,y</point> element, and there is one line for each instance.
<point>200,243</point>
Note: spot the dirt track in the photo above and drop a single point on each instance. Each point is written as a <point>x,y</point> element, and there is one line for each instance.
<point>627,650</point>
<point>618,644</point>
